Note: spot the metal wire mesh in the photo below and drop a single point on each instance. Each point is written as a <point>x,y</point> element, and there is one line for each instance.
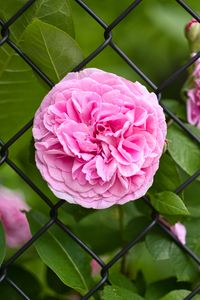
<point>4,147</point>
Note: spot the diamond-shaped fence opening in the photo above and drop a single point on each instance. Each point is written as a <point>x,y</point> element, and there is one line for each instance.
<point>54,219</point>
<point>154,38</point>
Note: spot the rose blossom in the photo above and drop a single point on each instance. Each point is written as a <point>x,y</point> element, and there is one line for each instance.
<point>193,101</point>
<point>13,218</point>
<point>98,139</point>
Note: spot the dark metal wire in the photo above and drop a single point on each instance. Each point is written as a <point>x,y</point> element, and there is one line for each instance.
<point>17,14</point>
<point>53,209</point>
<point>17,288</point>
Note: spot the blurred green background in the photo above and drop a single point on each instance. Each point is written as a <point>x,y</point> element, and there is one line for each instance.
<point>152,36</point>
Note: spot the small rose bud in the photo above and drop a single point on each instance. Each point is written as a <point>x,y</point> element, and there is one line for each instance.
<point>180,232</point>
<point>177,229</point>
<point>95,266</point>
<point>192,32</point>
<point>190,24</point>
<point>193,95</point>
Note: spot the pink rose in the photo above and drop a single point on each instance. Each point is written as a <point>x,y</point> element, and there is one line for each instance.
<point>179,231</point>
<point>13,218</point>
<point>193,101</point>
<point>98,139</point>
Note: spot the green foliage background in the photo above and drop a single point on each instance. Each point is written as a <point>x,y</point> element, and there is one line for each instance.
<point>153,37</point>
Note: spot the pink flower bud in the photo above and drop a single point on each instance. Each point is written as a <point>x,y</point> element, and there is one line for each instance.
<point>180,232</point>
<point>95,267</point>
<point>177,229</point>
<point>13,218</point>
<point>190,24</point>
<point>192,32</point>
<point>193,97</point>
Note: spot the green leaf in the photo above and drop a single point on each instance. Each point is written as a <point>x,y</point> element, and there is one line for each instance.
<point>169,203</point>
<point>167,177</point>
<point>193,234</point>
<point>57,256</point>
<point>21,89</point>
<point>191,196</point>
<point>51,49</point>
<point>55,283</point>
<point>2,244</point>
<point>139,259</point>
<point>105,225</point>
<point>118,293</point>
<point>197,297</point>
<point>183,266</point>
<point>192,193</point>
<point>183,149</point>
<point>178,295</point>
<point>160,288</point>
<point>159,245</point>
<point>57,14</point>
<point>21,92</point>
<point>118,279</point>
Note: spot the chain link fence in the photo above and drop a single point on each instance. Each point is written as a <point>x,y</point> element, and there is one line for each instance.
<point>53,209</point>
